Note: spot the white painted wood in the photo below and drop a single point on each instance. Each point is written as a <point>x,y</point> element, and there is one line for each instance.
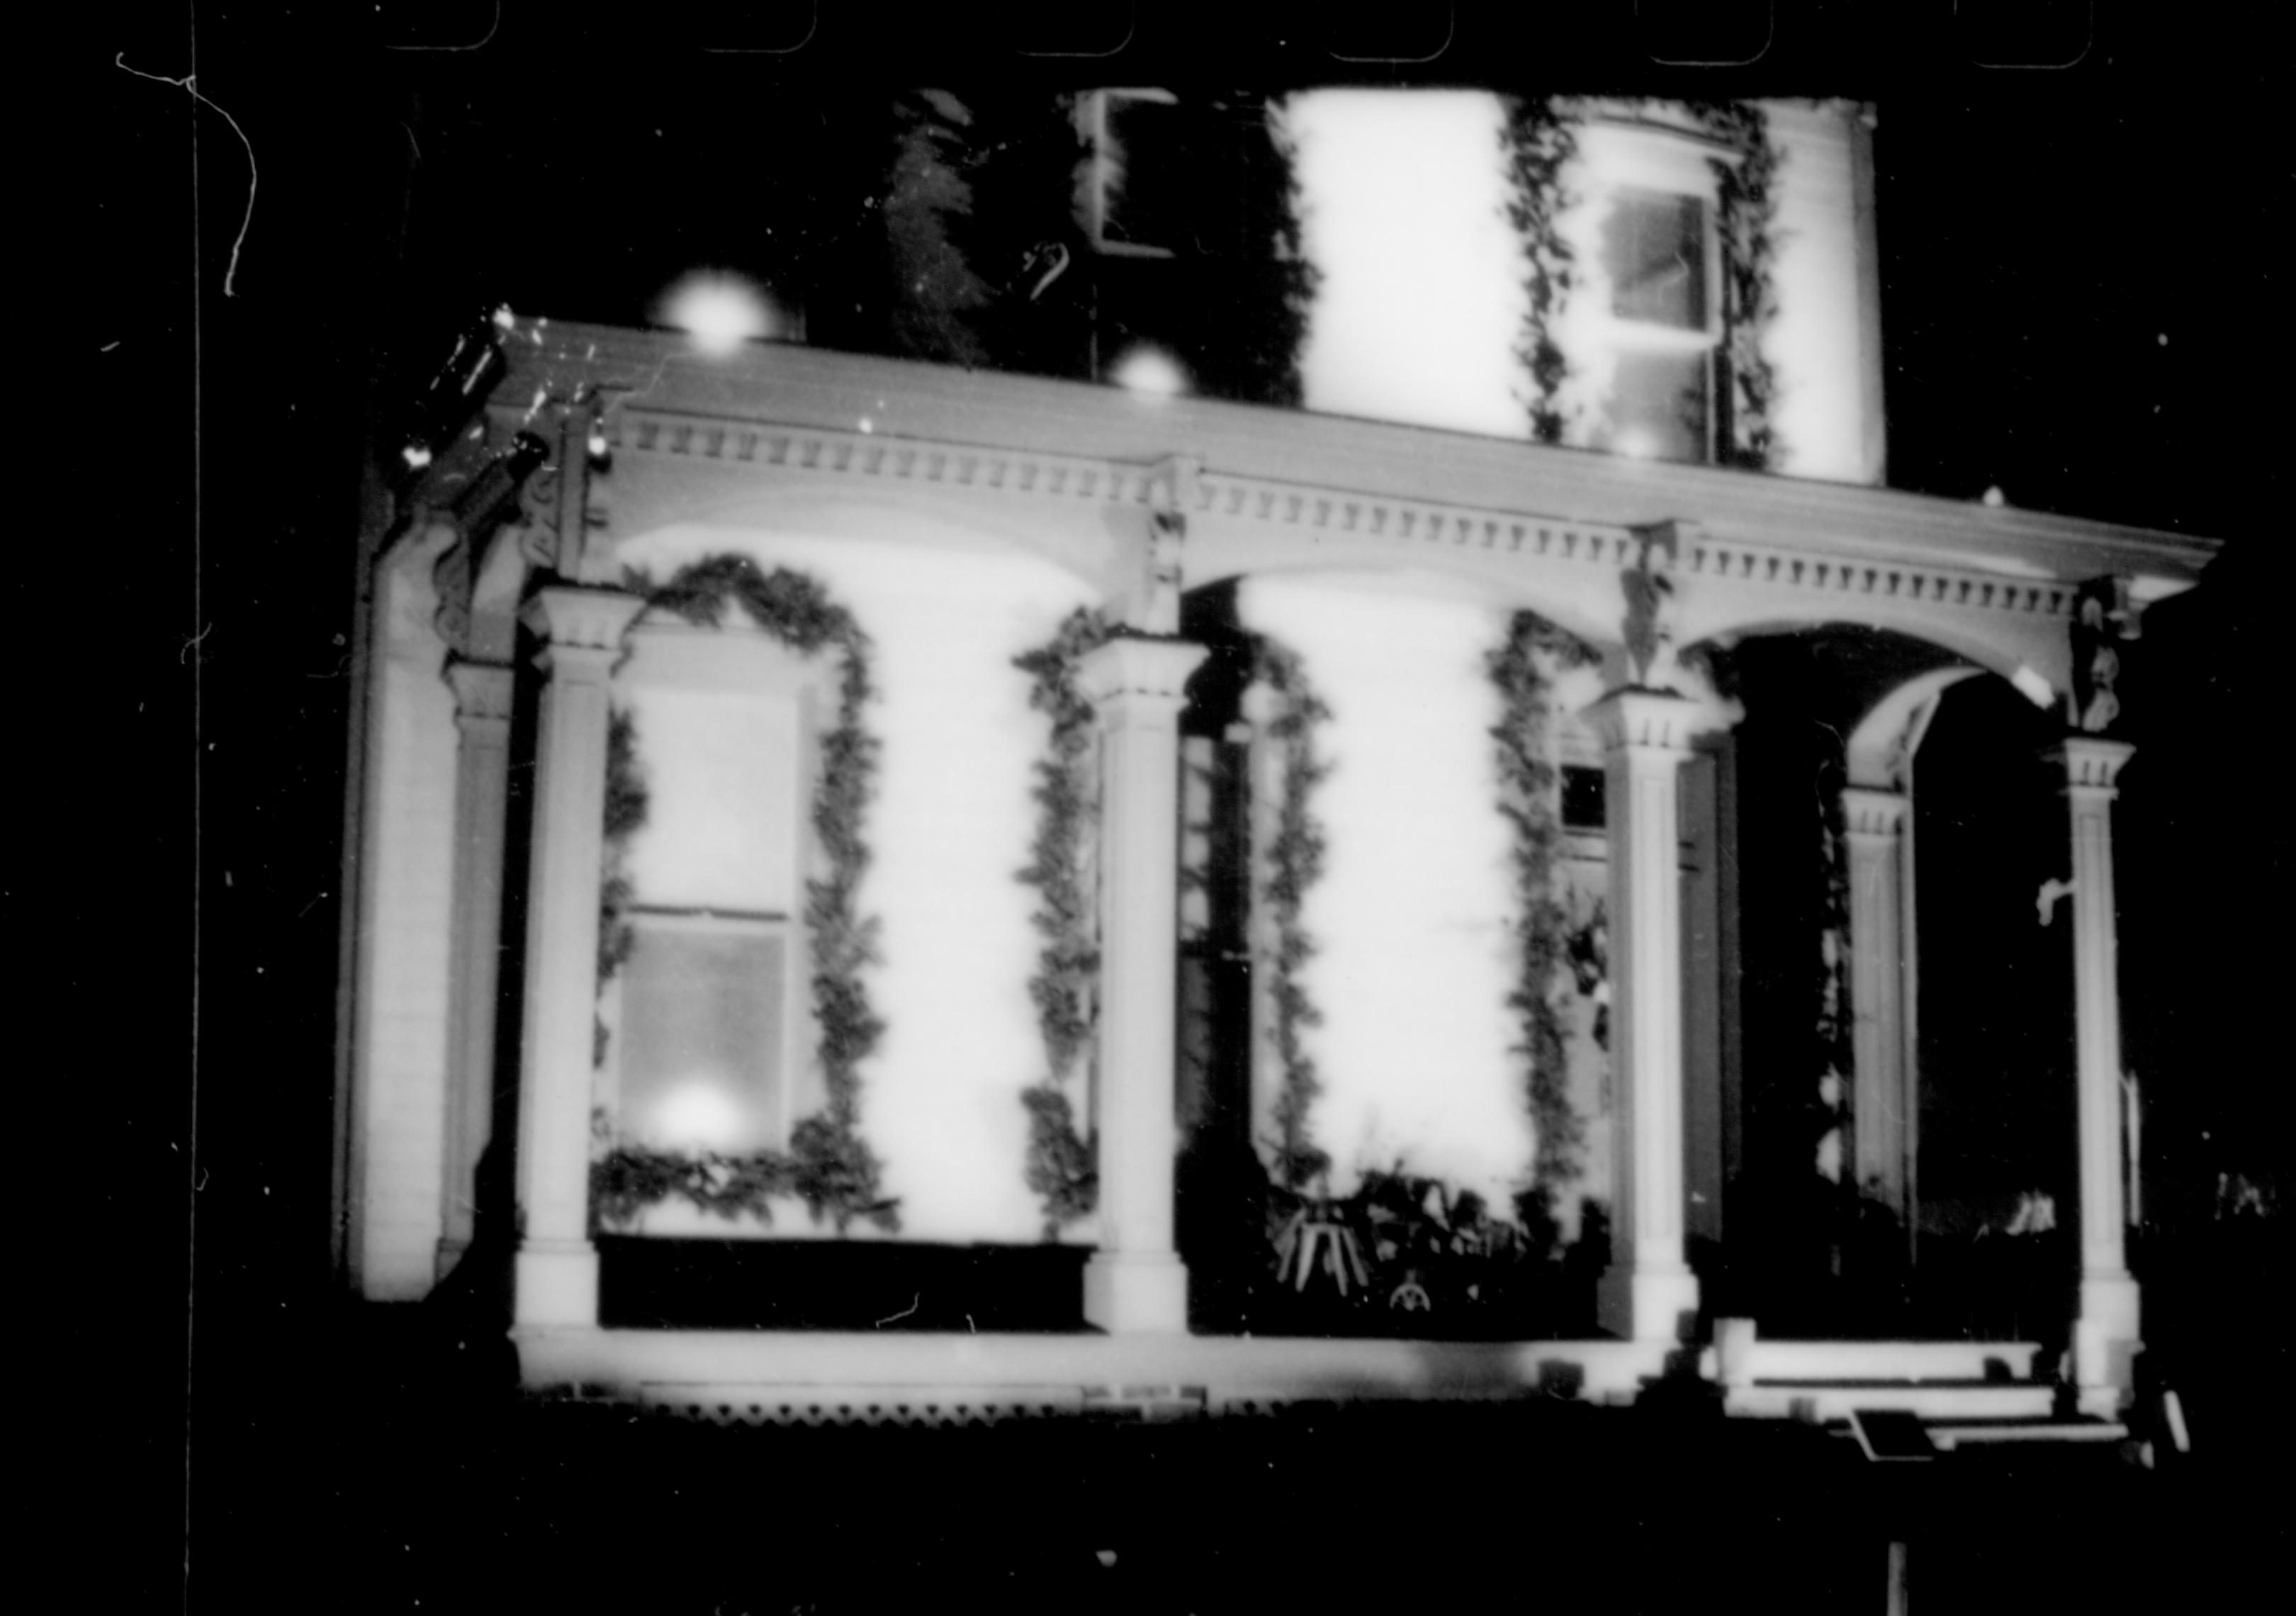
<point>1649,1293</point>
<point>557,1267</point>
<point>1136,1281</point>
<point>1767,1359</point>
<point>482,698</point>
<point>1931,1401</point>
<point>2105,1338</point>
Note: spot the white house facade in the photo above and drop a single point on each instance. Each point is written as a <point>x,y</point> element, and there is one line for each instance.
<point>807,799</point>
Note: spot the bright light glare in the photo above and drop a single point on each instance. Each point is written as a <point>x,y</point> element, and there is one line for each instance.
<point>1637,443</point>
<point>697,1115</point>
<point>1151,371</point>
<point>720,312</point>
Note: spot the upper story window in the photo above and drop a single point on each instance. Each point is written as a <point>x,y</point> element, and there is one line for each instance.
<point>1135,194</point>
<point>1658,253</point>
<point>1657,258</point>
<point>1167,178</point>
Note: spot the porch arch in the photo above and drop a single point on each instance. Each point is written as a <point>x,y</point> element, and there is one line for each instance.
<point>1590,608</point>
<point>2031,652</point>
<point>1091,543</point>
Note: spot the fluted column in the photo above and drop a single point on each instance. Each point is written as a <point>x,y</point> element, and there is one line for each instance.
<point>2105,1335</point>
<point>557,1266</point>
<point>1649,1292</point>
<point>1135,1284</point>
<point>483,699</point>
<point>1881,1098</point>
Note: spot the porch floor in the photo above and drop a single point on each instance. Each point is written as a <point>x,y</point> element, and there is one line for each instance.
<point>896,1377</point>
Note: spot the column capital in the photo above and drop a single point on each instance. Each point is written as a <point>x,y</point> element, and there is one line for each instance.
<point>1137,666</point>
<point>482,690</point>
<point>1870,813</point>
<point>2092,763</point>
<point>572,619</point>
<point>1634,720</point>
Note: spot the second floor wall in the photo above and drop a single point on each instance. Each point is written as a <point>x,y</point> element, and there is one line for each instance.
<point>1643,279</point>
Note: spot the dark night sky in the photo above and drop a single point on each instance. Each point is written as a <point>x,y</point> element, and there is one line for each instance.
<point>2042,234</point>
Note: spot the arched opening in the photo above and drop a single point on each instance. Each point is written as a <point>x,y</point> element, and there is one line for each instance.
<point>1443,1152</point>
<point>1835,1224</point>
<point>1997,1192</point>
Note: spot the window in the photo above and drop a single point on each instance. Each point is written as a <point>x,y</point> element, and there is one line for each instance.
<point>709,1018</point>
<point>704,1031</point>
<point>1584,801</point>
<point>1134,199</point>
<point>1657,250</point>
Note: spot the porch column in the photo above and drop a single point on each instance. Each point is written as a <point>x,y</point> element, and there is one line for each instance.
<point>557,1279</point>
<point>483,699</point>
<point>1881,1101</point>
<point>1135,1284</point>
<point>1649,1292</point>
<point>2105,1334</point>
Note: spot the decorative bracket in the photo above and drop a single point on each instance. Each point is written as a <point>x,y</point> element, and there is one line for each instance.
<point>477,516</point>
<point>563,503</point>
<point>1649,630</point>
<point>2104,615</point>
<point>1149,600</point>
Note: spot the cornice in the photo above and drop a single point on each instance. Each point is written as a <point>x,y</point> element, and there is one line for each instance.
<point>824,411</point>
<point>1415,525</point>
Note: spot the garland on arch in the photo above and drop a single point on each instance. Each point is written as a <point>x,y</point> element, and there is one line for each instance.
<point>1062,1168</point>
<point>1295,862</point>
<point>828,1164</point>
<point>1530,800</point>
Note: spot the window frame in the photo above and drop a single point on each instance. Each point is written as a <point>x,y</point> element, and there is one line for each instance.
<point>1093,125</point>
<point>1628,155</point>
<point>742,659</point>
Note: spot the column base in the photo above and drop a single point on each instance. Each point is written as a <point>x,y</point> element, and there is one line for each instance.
<point>1136,1295</point>
<point>557,1283</point>
<point>2105,1340</point>
<point>1647,1305</point>
<point>1734,1351</point>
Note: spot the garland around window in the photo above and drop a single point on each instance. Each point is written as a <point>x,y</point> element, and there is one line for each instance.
<point>828,1165</point>
<point>1750,300</point>
<point>1541,140</point>
<point>627,802</point>
<point>1062,1166</point>
<point>1295,861</point>
<point>1530,800</point>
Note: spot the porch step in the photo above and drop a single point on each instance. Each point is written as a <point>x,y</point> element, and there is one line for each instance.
<point>1934,1401</point>
<point>1769,1359</point>
<point>1949,1434</point>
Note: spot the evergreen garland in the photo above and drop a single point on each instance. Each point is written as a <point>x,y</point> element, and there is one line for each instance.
<point>627,802</point>
<point>1834,1025</point>
<point>1272,180</point>
<point>937,300</point>
<point>1539,139</point>
<point>1530,800</point>
<point>1750,300</point>
<point>1295,860</point>
<point>829,1165</point>
<point>1062,1166</point>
